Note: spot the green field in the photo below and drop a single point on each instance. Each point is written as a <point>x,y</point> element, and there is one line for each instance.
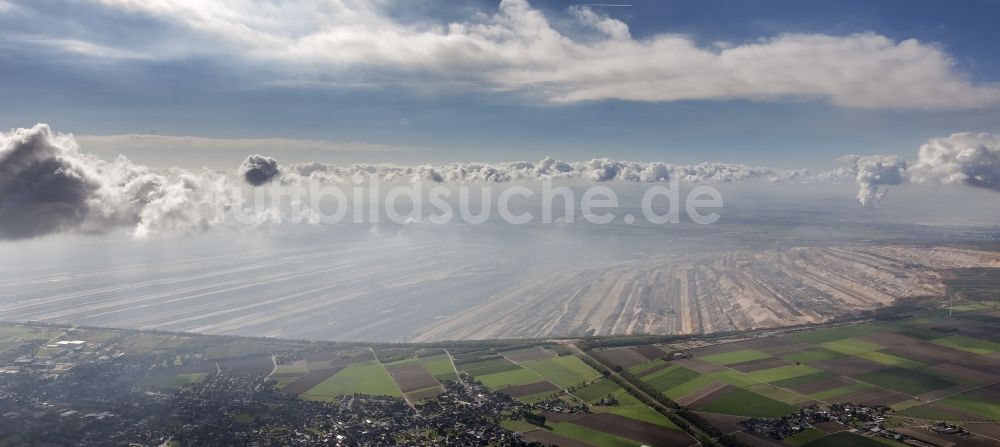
<point>804,437</point>
<point>643,367</point>
<point>505,379</point>
<point>968,344</point>
<point>482,364</point>
<point>493,369</point>
<point>671,377</point>
<point>975,404</point>
<point>780,394</point>
<point>840,391</point>
<point>643,413</point>
<point>401,361</point>
<point>700,380</point>
<point>518,426</point>
<point>812,355</point>
<point>728,358</point>
<point>783,373</point>
<point>891,360</point>
<point>590,436</point>
<point>808,378</point>
<point>907,381</point>
<point>564,371</point>
<point>440,367</point>
<point>368,377</point>
<point>734,378</point>
<point>844,439</point>
<point>625,399</point>
<point>594,391</point>
<point>926,412</point>
<point>737,402</point>
<point>689,386</point>
<point>850,346</point>
<point>828,335</point>
<point>532,398</point>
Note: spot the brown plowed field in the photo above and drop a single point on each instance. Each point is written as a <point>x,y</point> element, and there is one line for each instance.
<point>849,366</point>
<point>650,352</point>
<point>696,396</point>
<point>310,379</point>
<point>411,376</point>
<point>546,437</point>
<point>889,339</point>
<point>929,353</point>
<point>760,364</point>
<point>873,397</point>
<point>416,396</point>
<point>821,385</point>
<point>698,365</point>
<point>529,389</point>
<point>724,422</point>
<point>644,432</point>
<point>654,369</point>
<point>624,357</point>
<point>707,398</point>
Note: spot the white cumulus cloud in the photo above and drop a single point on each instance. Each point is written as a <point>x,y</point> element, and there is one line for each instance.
<point>516,47</point>
<point>967,158</point>
<point>49,185</point>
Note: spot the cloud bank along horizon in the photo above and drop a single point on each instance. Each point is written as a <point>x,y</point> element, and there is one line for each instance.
<point>50,185</point>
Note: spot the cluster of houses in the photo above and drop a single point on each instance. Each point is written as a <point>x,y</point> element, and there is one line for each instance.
<point>860,417</point>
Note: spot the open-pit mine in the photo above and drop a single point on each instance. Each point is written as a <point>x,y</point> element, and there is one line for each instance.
<point>735,290</point>
<point>419,289</point>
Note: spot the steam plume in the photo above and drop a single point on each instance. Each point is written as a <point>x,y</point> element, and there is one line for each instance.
<point>872,172</point>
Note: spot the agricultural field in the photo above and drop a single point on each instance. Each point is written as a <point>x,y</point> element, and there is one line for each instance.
<point>845,439</point>
<point>367,377</point>
<point>498,373</point>
<point>597,390</point>
<point>728,358</point>
<point>630,428</point>
<point>648,367</point>
<point>629,356</point>
<point>440,367</point>
<point>738,401</point>
<point>532,392</point>
<point>565,371</point>
<point>501,380</point>
<point>528,354</point>
<point>926,366</point>
<point>413,379</point>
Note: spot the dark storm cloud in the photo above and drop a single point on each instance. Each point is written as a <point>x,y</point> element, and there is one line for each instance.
<point>45,186</point>
<point>48,185</point>
<point>258,170</point>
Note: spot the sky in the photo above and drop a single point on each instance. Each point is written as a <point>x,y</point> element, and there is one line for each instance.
<point>784,84</point>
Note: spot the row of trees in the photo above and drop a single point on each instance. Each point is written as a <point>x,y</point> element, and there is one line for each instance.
<point>687,420</point>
